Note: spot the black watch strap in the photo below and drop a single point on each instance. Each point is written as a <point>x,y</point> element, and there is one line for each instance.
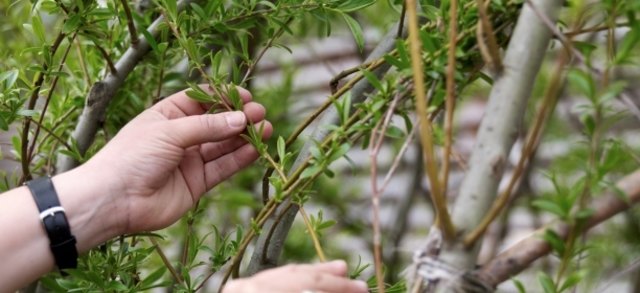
<point>54,220</point>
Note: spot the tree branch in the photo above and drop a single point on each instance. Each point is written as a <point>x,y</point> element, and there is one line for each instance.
<point>103,92</point>
<point>132,27</point>
<point>522,254</point>
<point>500,126</point>
<point>268,250</point>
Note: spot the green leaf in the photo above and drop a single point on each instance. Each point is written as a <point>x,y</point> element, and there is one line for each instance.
<point>151,40</point>
<point>38,28</point>
<point>356,30</point>
<point>372,79</point>
<point>629,42</point>
<point>310,171</point>
<point>152,278</point>
<point>547,283</point>
<point>583,82</point>
<point>554,241</point>
<point>199,95</point>
<point>281,147</point>
<point>353,5</point>
<point>550,206</point>
<point>9,78</point>
<point>572,280</point>
<point>519,286</point>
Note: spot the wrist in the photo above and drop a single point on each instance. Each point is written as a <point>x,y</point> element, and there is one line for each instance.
<point>91,206</point>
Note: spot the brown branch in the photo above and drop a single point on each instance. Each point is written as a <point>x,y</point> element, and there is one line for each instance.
<point>264,50</point>
<point>450,101</point>
<point>443,220</point>
<point>165,260</point>
<point>376,139</point>
<point>519,256</point>
<point>132,27</point>
<point>106,57</point>
<point>593,29</point>
<point>485,28</point>
<point>54,83</point>
<point>49,133</point>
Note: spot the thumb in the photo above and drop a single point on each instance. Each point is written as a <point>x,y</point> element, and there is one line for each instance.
<point>199,129</point>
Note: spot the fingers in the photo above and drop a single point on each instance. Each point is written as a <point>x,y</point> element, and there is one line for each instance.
<point>199,129</point>
<point>180,105</point>
<point>336,267</point>
<point>227,165</point>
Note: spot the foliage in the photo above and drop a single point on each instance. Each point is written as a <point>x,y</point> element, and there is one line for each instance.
<point>60,49</point>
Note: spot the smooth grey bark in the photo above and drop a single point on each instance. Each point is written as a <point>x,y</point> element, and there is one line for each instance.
<point>261,261</point>
<point>499,127</point>
<point>102,92</point>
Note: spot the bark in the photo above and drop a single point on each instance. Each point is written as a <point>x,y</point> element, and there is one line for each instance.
<point>102,92</point>
<point>267,257</point>
<point>522,254</point>
<point>499,127</point>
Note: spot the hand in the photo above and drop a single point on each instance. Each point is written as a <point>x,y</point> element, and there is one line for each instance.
<point>166,158</point>
<point>325,277</point>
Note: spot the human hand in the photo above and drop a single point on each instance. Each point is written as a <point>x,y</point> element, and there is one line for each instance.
<point>162,161</point>
<point>327,277</point>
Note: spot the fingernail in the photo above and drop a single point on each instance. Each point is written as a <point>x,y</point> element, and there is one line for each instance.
<point>236,119</point>
<point>338,264</point>
<point>362,285</point>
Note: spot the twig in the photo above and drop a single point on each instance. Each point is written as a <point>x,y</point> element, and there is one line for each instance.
<point>50,133</point>
<point>431,166</point>
<point>450,101</point>
<point>37,85</point>
<point>312,232</point>
<point>593,29</point>
<point>484,27</point>
<point>264,50</point>
<point>106,57</point>
<point>165,260</point>
<point>403,14</point>
<point>376,140</point>
<point>132,27</point>
<point>54,83</point>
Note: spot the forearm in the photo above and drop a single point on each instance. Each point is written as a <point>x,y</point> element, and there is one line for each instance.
<point>25,247</point>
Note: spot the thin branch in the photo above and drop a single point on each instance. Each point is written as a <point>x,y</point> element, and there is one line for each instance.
<point>443,220</point>
<point>450,102</point>
<point>132,27</point>
<point>106,57</point>
<point>486,29</point>
<point>165,260</point>
<point>376,140</point>
<point>24,155</point>
<point>264,50</point>
<point>50,133</point>
<point>47,101</point>
<point>312,232</point>
<point>520,256</point>
<point>593,29</point>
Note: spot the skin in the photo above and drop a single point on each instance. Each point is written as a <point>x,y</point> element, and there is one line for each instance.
<point>150,174</point>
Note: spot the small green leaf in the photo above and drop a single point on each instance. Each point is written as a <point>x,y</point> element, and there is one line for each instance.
<point>550,206</point>
<point>356,30</point>
<point>372,79</point>
<point>281,147</point>
<point>519,286</point>
<point>353,5</point>
<point>38,28</point>
<point>199,95</point>
<point>547,283</point>
<point>583,82</point>
<point>554,241</point>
